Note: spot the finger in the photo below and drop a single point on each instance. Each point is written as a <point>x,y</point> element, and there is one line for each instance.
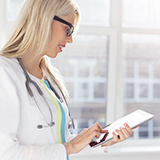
<point>95,126</point>
<point>93,131</point>
<point>115,137</point>
<point>101,129</point>
<point>85,129</point>
<point>104,131</point>
<point>99,126</point>
<point>126,133</point>
<point>121,136</point>
<point>95,134</point>
<point>112,141</point>
<point>128,128</point>
<point>126,125</point>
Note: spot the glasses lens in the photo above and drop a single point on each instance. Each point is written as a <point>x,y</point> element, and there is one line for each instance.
<point>70,31</point>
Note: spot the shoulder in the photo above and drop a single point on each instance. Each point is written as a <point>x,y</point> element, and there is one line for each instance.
<point>7,61</point>
<point>8,65</point>
<point>10,72</point>
<point>9,81</point>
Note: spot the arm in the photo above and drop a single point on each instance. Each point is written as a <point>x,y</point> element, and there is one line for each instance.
<point>10,147</point>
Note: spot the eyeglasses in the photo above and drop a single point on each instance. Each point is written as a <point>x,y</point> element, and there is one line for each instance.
<point>70,30</point>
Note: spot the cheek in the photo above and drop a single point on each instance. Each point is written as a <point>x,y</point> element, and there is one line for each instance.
<point>55,39</point>
<point>58,33</point>
<point>50,46</point>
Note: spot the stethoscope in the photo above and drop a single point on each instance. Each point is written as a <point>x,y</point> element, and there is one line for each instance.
<point>30,81</point>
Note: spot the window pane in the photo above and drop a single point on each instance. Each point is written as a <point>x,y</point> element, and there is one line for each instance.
<point>156,89</point>
<point>88,58</point>
<point>14,7</point>
<point>143,134</point>
<point>99,90</point>
<point>156,70</point>
<point>95,12</point>
<point>143,70</point>
<point>141,79</point>
<point>143,90</point>
<point>83,90</point>
<point>141,13</point>
<point>129,90</point>
<point>68,67</point>
<point>98,71</point>
<point>129,72</point>
<point>84,69</point>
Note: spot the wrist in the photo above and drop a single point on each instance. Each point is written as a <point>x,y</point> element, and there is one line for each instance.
<point>69,148</point>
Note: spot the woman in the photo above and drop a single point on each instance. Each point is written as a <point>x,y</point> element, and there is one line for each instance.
<point>35,125</point>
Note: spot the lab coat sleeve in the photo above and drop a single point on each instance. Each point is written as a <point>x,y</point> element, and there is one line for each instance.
<point>10,148</point>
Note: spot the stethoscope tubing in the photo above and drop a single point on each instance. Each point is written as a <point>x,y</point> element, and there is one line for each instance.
<point>30,81</point>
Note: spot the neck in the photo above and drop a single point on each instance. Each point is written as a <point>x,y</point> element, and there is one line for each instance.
<point>32,65</point>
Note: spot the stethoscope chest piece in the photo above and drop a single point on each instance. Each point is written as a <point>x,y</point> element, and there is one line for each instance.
<point>71,123</point>
<point>52,124</point>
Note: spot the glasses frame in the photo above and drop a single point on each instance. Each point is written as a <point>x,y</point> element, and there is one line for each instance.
<point>69,31</point>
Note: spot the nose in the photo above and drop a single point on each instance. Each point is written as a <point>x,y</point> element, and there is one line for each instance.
<point>69,39</point>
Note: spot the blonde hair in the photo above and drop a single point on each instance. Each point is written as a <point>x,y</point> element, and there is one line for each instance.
<point>32,30</point>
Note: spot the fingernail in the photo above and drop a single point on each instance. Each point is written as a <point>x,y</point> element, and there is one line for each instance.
<point>125,124</point>
<point>114,133</point>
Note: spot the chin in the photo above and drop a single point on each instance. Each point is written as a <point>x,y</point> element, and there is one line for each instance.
<point>52,55</point>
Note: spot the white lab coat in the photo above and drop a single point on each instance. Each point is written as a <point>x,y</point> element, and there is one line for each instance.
<point>19,137</point>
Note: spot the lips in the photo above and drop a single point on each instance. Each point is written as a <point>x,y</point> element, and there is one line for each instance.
<point>61,47</point>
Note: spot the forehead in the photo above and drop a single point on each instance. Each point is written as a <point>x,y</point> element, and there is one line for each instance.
<point>71,18</point>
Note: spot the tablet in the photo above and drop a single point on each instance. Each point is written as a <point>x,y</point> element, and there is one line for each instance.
<point>133,119</point>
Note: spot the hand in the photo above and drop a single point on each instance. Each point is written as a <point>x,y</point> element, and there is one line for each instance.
<point>123,134</point>
<point>83,139</point>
